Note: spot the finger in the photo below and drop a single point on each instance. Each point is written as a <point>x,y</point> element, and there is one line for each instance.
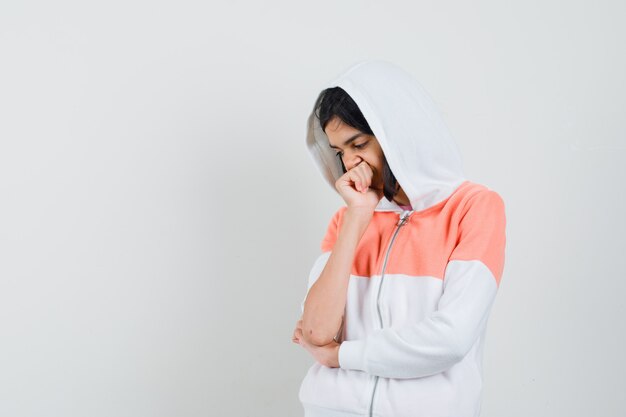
<point>366,173</point>
<point>365,184</point>
<point>358,180</point>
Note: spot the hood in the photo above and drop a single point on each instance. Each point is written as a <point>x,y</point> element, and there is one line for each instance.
<point>417,144</point>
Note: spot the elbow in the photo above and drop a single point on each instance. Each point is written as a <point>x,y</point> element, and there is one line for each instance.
<point>459,349</point>
<point>456,355</point>
<point>448,352</point>
<point>317,332</point>
<point>316,337</point>
<point>445,360</point>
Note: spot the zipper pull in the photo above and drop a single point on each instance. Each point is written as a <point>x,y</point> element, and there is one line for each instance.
<point>403,218</point>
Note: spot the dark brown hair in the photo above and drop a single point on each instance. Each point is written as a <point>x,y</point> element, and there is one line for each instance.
<point>336,102</point>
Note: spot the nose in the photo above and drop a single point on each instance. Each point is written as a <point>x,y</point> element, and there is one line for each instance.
<point>354,161</point>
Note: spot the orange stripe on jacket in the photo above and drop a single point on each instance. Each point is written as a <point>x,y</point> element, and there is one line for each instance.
<point>468,225</point>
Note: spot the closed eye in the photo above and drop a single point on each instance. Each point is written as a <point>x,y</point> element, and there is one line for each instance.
<point>359,146</point>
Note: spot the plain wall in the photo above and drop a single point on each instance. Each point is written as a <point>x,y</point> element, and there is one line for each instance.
<point>160,213</point>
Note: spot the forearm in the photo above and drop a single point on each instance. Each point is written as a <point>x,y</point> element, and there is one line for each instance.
<point>326,300</point>
<point>437,342</point>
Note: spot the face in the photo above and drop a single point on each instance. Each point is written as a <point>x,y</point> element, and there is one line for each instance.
<point>361,147</point>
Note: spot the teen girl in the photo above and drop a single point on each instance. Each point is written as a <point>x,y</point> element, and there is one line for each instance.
<point>399,298</point>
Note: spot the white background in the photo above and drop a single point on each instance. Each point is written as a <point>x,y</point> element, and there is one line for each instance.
<point>160,213</point>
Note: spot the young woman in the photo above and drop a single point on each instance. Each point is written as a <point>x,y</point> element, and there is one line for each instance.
<point>397,304</point>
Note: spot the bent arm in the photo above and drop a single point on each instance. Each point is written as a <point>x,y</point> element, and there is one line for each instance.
<point>439,341</point>
<point>471,281</point>
<point>325,302</point>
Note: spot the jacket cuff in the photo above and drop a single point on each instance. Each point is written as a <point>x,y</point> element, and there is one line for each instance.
<point>352,355</point>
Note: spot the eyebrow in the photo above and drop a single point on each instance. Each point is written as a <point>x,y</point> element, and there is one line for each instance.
<point>349,140</point>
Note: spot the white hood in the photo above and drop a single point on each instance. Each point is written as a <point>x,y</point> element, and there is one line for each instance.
<point>417,144</point>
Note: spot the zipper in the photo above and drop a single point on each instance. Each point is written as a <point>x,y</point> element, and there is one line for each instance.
<point>401,222</point>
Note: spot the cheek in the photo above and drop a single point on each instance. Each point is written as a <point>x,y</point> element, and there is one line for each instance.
<point>377,164</point>
<point>378,170</point>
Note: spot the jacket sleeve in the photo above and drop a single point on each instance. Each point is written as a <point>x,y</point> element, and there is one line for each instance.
<point>328,242</point>
<point>471,280</point>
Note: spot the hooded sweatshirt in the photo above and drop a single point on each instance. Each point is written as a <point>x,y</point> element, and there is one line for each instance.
<point>423,278</point>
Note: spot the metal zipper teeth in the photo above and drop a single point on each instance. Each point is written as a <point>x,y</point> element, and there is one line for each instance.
<point>401,222</point>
